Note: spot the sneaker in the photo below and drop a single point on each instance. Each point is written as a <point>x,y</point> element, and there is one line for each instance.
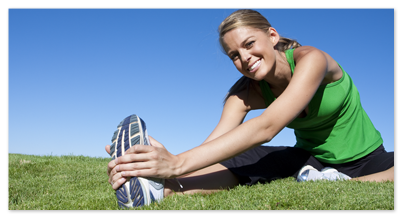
<point>329,170</point>
<point>334,174</point>
<point>137,191</point>
<point>309,173</point>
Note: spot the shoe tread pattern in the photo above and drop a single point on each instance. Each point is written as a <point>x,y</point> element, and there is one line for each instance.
<point>131,192</point>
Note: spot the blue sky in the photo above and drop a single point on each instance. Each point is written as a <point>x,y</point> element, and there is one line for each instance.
<point>74,74</point>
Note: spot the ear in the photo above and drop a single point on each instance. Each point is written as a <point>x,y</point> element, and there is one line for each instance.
<point>274,36</point>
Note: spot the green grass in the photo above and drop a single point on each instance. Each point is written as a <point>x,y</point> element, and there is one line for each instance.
<point>80,183</point>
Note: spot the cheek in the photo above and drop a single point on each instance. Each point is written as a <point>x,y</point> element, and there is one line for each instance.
<point>238,65</point>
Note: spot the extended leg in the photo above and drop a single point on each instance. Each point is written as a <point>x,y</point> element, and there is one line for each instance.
<point>207,180</point>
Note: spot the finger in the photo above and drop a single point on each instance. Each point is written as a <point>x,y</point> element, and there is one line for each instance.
<point>141,173</point>
<point>111,165</point>
<point>132,167</point>
<point>129,158</point>
<point>118,183</point>
<point>108,149</point>
<point>136,149</point>
<point>155,143</point>
<point>114,171</point>
<point>114,177</point>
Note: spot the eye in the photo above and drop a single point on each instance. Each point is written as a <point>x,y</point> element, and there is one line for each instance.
<point>234,56</point>
<point>249,44</point>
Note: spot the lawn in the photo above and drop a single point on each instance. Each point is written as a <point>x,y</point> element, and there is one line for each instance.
<point>80,183</point>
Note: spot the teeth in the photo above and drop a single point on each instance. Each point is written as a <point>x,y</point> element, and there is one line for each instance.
<point>255,65</point>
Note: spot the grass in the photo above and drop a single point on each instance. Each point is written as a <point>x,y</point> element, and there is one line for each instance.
<point>80,183</point>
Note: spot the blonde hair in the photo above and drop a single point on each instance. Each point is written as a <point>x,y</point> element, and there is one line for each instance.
<point>249,18</point>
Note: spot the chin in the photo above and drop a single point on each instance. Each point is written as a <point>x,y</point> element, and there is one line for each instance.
<point>258,77</point>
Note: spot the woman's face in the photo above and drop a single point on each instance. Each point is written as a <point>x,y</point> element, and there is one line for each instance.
<point>252,51</point>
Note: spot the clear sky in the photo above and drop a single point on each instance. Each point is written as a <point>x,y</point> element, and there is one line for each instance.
<point>74,74</point>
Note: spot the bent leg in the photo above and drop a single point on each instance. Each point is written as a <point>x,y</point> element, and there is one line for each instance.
<point>207,180</point>
<point>387,175</point>
<point>379,168</point>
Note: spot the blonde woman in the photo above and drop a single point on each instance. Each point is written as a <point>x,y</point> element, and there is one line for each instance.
<point>299,87</point>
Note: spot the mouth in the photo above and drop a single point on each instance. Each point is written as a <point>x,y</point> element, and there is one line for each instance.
<point>254,66</point>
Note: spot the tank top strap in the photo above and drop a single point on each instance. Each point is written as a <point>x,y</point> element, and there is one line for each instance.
<point>289,58</point>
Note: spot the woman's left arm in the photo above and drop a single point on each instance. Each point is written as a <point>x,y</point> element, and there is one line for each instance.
<point>156,161</point>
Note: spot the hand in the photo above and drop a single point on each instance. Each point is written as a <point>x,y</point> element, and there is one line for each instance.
<point>143,161</point>
<point>111,165</point>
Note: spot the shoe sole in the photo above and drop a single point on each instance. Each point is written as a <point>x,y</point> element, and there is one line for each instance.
<point>131,131</point>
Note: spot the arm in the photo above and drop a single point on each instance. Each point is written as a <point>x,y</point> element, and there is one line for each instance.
<point>311,68</point>
<point>233,114</point>
<point>235,110</point>
<point>226,142</point>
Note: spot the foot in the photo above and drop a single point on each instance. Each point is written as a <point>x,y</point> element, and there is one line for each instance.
<point>309,173</point>
<point>137,191</point>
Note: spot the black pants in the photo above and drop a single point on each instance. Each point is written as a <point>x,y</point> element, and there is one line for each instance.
<point>265,163</point>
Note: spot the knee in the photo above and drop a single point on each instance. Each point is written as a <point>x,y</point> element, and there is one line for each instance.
<point>390,174</point>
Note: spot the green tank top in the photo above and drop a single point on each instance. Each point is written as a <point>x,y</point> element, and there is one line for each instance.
<point>336,129</point>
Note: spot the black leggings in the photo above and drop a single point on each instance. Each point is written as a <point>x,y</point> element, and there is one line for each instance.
<point>265,163</point>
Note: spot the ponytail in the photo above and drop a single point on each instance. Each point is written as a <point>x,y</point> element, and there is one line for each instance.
<point>286,44</point>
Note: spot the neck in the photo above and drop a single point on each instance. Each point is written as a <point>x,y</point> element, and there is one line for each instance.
<point>282,74</point>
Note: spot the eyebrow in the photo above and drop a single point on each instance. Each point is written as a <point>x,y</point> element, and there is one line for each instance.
<point>241,44</point>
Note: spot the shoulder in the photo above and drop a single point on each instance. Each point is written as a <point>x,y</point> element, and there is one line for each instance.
<point>304,51</point>
<point>314,57</point>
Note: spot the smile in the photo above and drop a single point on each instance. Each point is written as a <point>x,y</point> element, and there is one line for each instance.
<point>255,65</point>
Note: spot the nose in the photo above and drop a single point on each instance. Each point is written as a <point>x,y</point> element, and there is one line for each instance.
<point>245,56</point>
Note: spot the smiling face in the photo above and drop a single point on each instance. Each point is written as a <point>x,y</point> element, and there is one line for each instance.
<point>252,51</point>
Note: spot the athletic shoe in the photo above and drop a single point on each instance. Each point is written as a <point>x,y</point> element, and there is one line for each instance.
<point>137,191</point>
<point>309,173</point>
<point>334,174</point>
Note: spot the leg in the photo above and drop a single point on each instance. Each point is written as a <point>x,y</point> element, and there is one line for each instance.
<point>261,164</point>
<point>380,168</point>
<point>387,175</point>
<point>207,180</point>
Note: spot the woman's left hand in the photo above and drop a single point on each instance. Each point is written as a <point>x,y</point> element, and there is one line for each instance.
<point>147,161</point>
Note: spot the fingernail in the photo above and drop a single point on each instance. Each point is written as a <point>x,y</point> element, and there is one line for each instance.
<point>122,180</point>
<point>116,161</point>
<point>122,173</point>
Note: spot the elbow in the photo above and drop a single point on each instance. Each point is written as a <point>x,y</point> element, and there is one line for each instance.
<point>266,134</point>
<point>265,131</point>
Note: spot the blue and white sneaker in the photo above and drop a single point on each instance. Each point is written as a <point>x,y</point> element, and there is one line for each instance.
<point>309,173</point>
<point>137,191</point>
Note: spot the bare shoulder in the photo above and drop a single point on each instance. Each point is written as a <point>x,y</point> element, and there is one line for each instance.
<point>302,51</point>
<point>333,71</point>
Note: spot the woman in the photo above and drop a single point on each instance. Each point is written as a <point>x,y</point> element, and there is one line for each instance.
<point>300,87</point>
